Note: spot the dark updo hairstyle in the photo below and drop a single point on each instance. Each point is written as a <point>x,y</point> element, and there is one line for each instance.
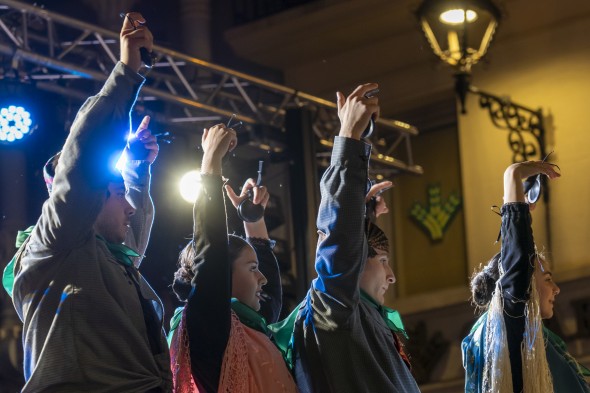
<point>186,260</point>
<point>483,283</point>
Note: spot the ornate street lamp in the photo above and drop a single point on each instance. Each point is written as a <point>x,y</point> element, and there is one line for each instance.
<point>460,32</point>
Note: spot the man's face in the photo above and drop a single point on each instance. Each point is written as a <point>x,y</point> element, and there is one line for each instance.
<point>546,288</point>
<point>113,220</point>
<point>377,276</point>
<point>247,280</point>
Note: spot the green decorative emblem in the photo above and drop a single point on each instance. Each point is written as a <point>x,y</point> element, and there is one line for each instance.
<point>436,217</point>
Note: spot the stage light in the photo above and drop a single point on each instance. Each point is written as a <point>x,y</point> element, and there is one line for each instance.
<point>15,123</point>
<point>121,161</point>
<point>190,185</point>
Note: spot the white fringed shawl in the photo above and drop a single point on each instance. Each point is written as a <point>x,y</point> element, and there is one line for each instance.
<point>497,376</point>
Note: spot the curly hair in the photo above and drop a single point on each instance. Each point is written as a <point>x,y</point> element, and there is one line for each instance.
<point>483,283</point>
<point>186,263</point>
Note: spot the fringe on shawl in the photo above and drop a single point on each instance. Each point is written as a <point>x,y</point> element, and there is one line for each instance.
<point>497,375</point>
<point>182,375</point>
<point>536,376</point>
<point>234,370</point>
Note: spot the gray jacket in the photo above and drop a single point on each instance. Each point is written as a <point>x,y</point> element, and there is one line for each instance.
<point>84,314</point>
<point>342,345</point>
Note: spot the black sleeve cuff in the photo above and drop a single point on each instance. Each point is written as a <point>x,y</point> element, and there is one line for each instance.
<point>258,242</point>
<point>350,153</point>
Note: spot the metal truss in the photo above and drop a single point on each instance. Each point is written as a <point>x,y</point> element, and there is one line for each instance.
<point>65,55</point>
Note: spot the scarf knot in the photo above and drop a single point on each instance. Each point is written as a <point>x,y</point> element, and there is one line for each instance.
<point>391,317</point>
<point>121,252</point>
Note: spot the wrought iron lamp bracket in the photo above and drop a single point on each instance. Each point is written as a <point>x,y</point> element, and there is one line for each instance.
<point>519,121</point>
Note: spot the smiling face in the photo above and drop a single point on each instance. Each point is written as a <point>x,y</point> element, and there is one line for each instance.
<point>113,220</point>
<point>247,280</point>
<point>546,288</point>
<point>377,276</point>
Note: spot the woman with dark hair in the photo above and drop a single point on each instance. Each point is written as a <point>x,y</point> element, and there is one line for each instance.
<point>219,340</point>
<point>508,349</point>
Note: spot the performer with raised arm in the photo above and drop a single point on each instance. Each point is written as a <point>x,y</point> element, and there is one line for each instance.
<point>344,339</point>
<point>91,321</point>
<point>509,349</point>
<point>220,341</point>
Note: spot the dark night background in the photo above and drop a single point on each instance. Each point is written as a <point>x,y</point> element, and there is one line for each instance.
<point>53,113</point>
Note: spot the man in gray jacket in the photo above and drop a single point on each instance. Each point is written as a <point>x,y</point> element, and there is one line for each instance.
<point>91,321</point>
<point>343,339</point>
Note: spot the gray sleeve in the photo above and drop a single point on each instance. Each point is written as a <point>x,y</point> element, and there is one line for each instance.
<point>341,250</point>
<point>137,178</point>
<point>97,135</point>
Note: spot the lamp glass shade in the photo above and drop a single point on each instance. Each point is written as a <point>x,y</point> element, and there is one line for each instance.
<point>459,31</point>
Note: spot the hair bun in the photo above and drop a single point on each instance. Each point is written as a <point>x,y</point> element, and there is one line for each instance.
<point>482,288</point>
<point>483,284</point>
<point>182,284</point>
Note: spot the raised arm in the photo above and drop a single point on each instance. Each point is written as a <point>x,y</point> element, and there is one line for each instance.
<point>518,257</point>
<point>518,250</point>
<point>140,154</point>
<point>341,219</point>
<point>208,312</point>
<point>257,235</point>
<point>98,132</point>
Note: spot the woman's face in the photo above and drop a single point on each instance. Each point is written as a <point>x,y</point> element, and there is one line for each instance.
<point>247,280</point>
<point>546,288</point>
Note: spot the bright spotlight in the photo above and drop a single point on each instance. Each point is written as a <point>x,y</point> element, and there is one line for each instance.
<point>121,161</point>
<point>190,185</point>
<point>123,158</point>
<point>15,123</point>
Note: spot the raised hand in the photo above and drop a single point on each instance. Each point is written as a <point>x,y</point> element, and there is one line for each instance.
<point>134,36</point>
<point>355,110</point>
<point>143,145</point>
<point>260,194</point>
<point>515,173</point>
<point>216,142</point>
<point>380,207</point>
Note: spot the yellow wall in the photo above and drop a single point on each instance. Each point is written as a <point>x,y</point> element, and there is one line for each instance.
<point>548,69</point>
<point>423,265</point>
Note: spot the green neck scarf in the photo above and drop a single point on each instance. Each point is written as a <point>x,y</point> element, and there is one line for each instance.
<point>174,322</point>
<point>121,252</point>
<point>561,348</point>
<point>390,316</point>
<point>282,334</point>
<point>8,276</point>
<point>282,331</point>
<point>248,316</point>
